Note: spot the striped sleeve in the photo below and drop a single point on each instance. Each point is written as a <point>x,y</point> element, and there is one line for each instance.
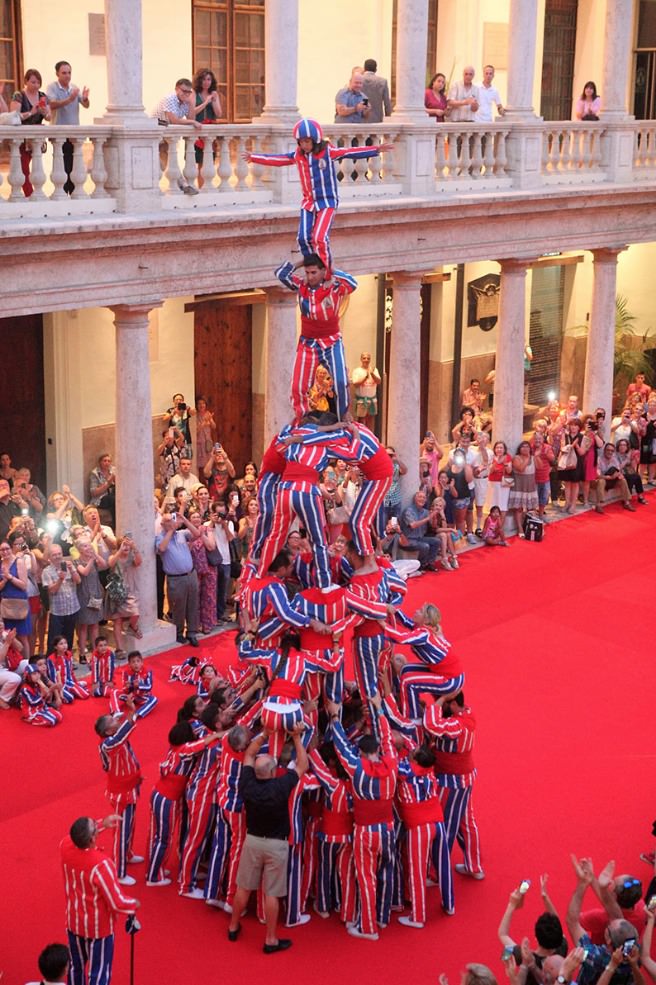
<point>120,736</point>
<point>345,281</point>
<point>328,782</point>
<point>105,878</point>
<point>274,160</point>
<point>365,607</point>
<point>285,274</point>
<point>348,757</point>
<point>354,153</point>
<point>437,724</point>
<point>280,602</point>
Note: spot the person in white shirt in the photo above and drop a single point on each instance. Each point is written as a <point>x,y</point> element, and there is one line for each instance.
<point>463,98</point>
<point>224,532</point>
<point>185,478</point>
<point>488,96</point>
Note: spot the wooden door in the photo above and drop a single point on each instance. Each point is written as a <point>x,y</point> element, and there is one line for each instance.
<point>223,368</point>
<point>23,413</point>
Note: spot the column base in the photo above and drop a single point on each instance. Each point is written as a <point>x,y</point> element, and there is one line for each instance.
<point>160,637</point>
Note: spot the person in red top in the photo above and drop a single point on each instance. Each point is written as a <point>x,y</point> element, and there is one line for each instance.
<point>93,901</point>
<point>543,456</point>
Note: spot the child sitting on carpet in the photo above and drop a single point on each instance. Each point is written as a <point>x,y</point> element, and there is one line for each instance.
<point>493,529</point>
<point>34,697</point>
<point>103,662</point>
<point>138,685</point>
<point>189,671</point>
<point>60,671</point>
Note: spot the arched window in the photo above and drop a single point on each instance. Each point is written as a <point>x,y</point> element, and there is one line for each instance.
<point>228,37</point>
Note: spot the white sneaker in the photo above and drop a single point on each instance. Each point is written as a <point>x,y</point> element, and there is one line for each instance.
<point>409,922</point>
<point>128,881</point>
<point>464,871</point>
<point>303,919</point>
<point>455,564</point>
<point>135,859</point>
<point>445,564</point>
<point>194,894</point>
<point>321,913</point>
<point>217,903</point>
<point>158,882</point>
<point>354,932</point>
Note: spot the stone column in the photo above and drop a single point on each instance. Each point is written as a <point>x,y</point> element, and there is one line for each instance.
<point>403,421</point>
<point>522,30</point>
<point>279,360</point>
<point>134,462</point>
<point>411,34</point>
<point>598,385</point>
<point>124,62</point>
<point>618,53</point>
<point>281,69</point>
<point>509,369</point>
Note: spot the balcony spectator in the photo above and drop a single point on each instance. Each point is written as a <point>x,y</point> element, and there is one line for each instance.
<point>179,416</point>
<point>463,98</point>
<point>588,106</point>
<point>65,100</point>
<point>474,397</point>
<point>205,431</point>
<point>177,109</point>
<point>376,89</point>
<point>102,488</point>
<point>32,105</point>
<point>435,99</point>
<point>351,104</point>
<point>488,96</point>
<point>206,109</point>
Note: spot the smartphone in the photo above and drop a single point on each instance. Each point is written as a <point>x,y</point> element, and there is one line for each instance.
<point>63,566</point>
<point>507,952</point>
<point>174,516</point>
<point>628,946</point>
<point>524,886</point>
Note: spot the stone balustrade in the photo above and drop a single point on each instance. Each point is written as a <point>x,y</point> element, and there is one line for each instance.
<point>116,169</point>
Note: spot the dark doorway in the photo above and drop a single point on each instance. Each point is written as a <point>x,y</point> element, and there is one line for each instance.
<point>23,416</point>
<point>558,59</point>
<point>223,368</point>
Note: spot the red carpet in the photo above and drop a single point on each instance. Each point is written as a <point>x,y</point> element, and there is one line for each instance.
<point>557,641</point>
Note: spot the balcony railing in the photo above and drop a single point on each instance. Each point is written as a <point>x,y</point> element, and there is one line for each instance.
<point>146,170</point>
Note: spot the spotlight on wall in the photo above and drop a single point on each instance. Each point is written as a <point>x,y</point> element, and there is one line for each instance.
<point>551,395</point>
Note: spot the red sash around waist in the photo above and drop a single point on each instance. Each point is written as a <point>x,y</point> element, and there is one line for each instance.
<point>123,784</point>
<point>421,812</point>
<point>172,786</point>
<point>313,329</point>
<point>368,812</point>
<point>311,640</point>
<point>285,689</point>
<point>299,473</point>
<point>334,823</point>
<point>368,628</point>
<point>454,762</point>
<point>379,466</point>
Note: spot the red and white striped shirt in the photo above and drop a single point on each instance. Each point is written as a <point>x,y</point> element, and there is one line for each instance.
<point>93,893</point>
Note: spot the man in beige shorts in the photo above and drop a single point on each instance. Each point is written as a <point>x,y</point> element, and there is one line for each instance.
<point>266,847</point>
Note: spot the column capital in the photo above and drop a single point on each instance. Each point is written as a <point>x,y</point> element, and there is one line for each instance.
<point>407,280</point>
<point>276,294</point>
<point>133,314</point>
<point>607,254</point>
<point>516,265</point>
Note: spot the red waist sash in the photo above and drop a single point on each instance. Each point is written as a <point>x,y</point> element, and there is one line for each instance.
<point>421,812</point>
<point>368,628</point>
<point>454,762</point>
<point>334,823</point>
<point>285,689</point>
<point>172,786</point>
<point>123,784</point>
<point>299,473</point>
<point>379,466</point>
<point>311,640</point>
<point>313,329</point>
<point>368,812</point>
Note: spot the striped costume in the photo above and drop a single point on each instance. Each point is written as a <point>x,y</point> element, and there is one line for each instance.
<point>299,495</point>
<point>419,807</point>
<point>123,781</point>
<point>320,341</point>
<point>271,469</point>
<point>456,773</point>
<point>102,673</point>
<point>377,471</point>
<point>166,802</point>
<point>319,184</point>
<point>281,709</point>
<point>336,875</point>
<point>367,597</point>
<point>296,858</point>
<point>139,685</point>
<point>35,709</point>
<point>201,814</point>
<point>373,784</point>
<point>93,900</point>
<point>60,671</point>
<point>440,671</point>
<point>230,830</point>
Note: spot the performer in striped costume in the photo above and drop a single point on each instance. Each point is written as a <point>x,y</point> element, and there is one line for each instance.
<point>103,663</point>
<point>420,810</point>
<point>319,185</point>
<point>167,798</point>
<point>34,696</point>
<point>123,781</point>
<point>372,768</point>
<point>137,683</point>
<point>308,783</point>
<point>230,829</point>
<point>320,297</point>
<point>280,711</point>
<point>93,901</point>
<point>454,727</point>
<point>336,875</point>
<point>271,469</point>
<point>60,671</point>
<point>367,595</point>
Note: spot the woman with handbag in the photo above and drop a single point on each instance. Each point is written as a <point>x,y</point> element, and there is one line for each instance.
<point>32,105</point>
<point>205,558</point>
<point>14,607</point>
<point>524,493</point>
<point>570,462</point>
<point>122,596</point>
<point>90,593</point>
<point>500,478</point>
